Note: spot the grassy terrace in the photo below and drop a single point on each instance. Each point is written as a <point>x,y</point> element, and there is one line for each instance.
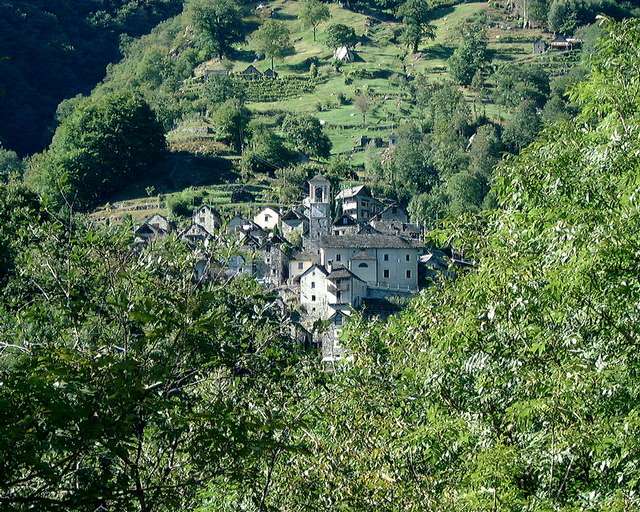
<point>198,161</point>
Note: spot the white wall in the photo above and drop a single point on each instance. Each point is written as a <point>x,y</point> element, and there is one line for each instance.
<point>396,264</point>
<point>267,219</point>
<point>313,294</point>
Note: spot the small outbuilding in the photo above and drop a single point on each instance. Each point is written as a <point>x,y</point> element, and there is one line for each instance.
<point>251,72</point>
<point>539,47</point>
<point>270,73</point>
<point>344,54</point>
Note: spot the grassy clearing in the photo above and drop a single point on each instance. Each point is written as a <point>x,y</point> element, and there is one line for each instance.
<point>198,161</point>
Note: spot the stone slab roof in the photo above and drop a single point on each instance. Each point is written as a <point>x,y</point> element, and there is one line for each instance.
<point>342,273</point>
<point>368,242</point>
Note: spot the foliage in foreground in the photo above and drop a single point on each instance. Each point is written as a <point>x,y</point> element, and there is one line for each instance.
<point>515,387</point>
<point>127,384</point>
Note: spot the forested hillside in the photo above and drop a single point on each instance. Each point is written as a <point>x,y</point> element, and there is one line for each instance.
<point>52,50</point>
<point>128,384</point>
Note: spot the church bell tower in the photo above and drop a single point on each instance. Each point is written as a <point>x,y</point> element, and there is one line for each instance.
<point>319,207</point>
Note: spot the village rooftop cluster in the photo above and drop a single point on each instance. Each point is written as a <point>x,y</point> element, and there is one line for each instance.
<point>326,257</point>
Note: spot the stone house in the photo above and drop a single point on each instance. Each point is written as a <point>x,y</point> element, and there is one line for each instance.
<point>313,287</point>
<point>156,226</point>
<point>343,225</point>
<point>293,221</point>
<point>358,203</point>
<point>207,217</point>
<point>539,47</point>
<point>300,262</point>
<point>195,234</point>
<point>392,212</point>
<point>251,72</point>
<point>403,229</point>
<point>161,222</point>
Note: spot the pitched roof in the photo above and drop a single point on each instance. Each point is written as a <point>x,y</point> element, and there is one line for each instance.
<point>208,207</point>
<point>342,273</point>
<point>292,215</point>
<point>318,178</point>
<point>362,255</point>
<point>196,230</point>
<point>386,209</point>
<point>360,241</point>
<point>303,256</point>
<point>251,70</point>
<point>368,229</point>
<point>311,268</point>
<point>340,221</point>
<point>353,191</point>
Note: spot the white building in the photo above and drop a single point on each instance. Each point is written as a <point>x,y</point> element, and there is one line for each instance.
<point>382,261</point>
<point>322,292</point>
<point>268,219</point>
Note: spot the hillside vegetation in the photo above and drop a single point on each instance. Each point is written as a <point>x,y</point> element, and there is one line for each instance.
<point>129,384</point>
<point>52,50</point>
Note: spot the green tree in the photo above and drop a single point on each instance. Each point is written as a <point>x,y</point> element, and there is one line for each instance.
<point>522,128</point>
<point>106,141</point>
<point>217,23</point>
<point>312,13</point>
<point>144,383</point>
<point>415,16</point>
<point>10,164</point>
<point>305,133</point>
<point>363,103</point>
<point>485,151</point>
<point>339,35</point>
<point>514,386</point>
<point>231,120</point>
<point>218,89</point>
<point>266,151</point>
<point>517,83</point>
<point>272,39</point>
<point>465,191</point>
<point>562,16</point>
<point>470,57</point>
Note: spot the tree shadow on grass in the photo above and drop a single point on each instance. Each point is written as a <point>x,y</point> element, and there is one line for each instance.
<point>441,12</point>
<point>242,55</point>
<point>283,16</point>
<point>438,51</point>
<point>177,171</point>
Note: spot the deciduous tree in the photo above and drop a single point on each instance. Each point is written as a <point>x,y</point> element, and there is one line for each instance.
<point>273,39</point>
<point>312,13</point>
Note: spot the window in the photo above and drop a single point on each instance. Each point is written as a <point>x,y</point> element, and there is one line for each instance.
<point>363,265</point>
<point>408,274</point>
<point>313,298</point>
<point>267,217</point>
<point>339,296</point>
<point>408,257</point>
<point>386,257</point>
<point>338,320</point>
<point>313,284</point>
<point>300,265</point>
<point>338,257</point>
<point>385,273</point>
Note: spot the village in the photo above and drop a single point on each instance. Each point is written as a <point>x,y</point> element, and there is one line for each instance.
<point>325,258</point>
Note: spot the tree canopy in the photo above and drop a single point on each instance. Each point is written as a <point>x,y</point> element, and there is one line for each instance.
<point>217,22</point>
<point>107,139</point>
<point>312,13</point>
<point>272,39</point>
